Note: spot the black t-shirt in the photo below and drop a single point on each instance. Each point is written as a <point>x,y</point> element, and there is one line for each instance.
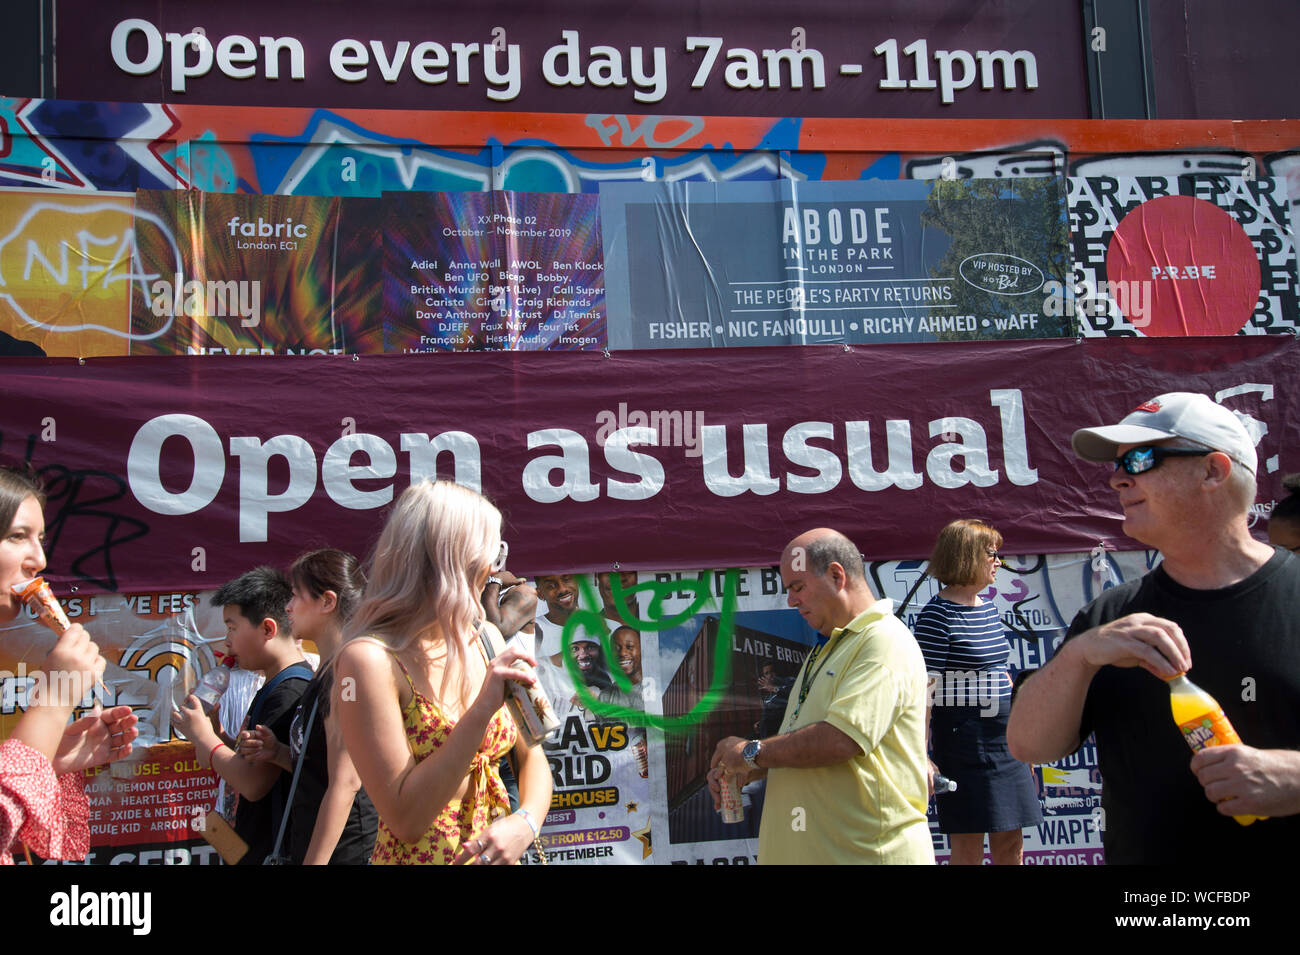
<point>358,837</point>
<point>257,821</point>
<point>1245,644</point>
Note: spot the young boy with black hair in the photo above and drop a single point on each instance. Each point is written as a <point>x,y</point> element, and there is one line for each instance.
<point>258,634</point>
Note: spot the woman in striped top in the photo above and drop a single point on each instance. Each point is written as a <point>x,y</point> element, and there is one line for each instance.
<point>966,652</point>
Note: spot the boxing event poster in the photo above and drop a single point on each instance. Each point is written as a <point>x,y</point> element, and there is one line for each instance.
<point>244,274</point>
<point>489,271</point>
<point>595,663</point>
<point>1180,255</point>
<point>693,265</point>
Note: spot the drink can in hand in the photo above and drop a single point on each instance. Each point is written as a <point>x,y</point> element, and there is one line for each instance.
<point>733,810</point>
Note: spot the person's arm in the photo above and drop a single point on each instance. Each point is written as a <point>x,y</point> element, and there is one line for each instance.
<point>336,804</point>
<point>215,719</point>
<point>407,794</point>
<point>934,638</point>
<point>932,770</point>
<point>818,744</point>
<point>251,780</point>
<point>509,837</point>
<point>1047,714</point>
<point>46,812</point>
<point>67,674</point>
<point>517,609</point>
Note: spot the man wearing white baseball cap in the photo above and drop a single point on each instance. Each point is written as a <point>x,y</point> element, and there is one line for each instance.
<point>1220,602</point>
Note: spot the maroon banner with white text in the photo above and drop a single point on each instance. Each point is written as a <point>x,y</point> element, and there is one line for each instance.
<point>182,473</point>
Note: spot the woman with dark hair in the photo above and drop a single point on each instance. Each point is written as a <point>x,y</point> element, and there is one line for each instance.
<point>428,727</point>
<point>966,651</point>
<point>1284,522</point>
<point>42,799</point>
<point>332,820</point>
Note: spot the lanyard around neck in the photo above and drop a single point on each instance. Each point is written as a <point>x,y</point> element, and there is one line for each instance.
<point>810,674</point>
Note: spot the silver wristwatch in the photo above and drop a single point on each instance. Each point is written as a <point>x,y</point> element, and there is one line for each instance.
<point>750,753</point>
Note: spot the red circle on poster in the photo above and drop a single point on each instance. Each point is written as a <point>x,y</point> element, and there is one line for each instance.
<point>1187,268</point>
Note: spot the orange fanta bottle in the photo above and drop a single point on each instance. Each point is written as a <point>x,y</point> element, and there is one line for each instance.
<point>1200,718</point>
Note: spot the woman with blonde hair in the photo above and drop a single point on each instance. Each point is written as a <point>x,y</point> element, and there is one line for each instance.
<point>421,706</point>
<point>966,650</point>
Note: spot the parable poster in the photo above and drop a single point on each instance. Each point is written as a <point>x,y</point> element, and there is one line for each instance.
<point>784,262</point>
<point>1181,255</point>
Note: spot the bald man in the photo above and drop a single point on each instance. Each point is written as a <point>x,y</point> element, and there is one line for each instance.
<point>846,776</point>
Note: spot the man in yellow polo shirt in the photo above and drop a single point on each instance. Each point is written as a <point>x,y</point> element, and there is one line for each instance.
<point>846,776</point>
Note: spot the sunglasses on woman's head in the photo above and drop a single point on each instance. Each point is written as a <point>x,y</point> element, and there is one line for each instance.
<point>1148,457</point>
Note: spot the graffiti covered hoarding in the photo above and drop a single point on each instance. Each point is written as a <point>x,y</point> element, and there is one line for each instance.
<point>66,284</point>
<point>122,147</point>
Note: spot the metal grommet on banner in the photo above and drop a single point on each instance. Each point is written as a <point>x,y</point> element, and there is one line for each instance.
<point>605,352</point>
<point>81,361</point>
<point>356,357</point>
<point>616,565</point>
<point>847,348</point>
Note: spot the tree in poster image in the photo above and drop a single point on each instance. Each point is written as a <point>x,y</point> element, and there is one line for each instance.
<point>988,221</point>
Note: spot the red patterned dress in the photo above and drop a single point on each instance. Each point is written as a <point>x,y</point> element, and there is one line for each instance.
<point>47,813</point>
<point>461,819</point>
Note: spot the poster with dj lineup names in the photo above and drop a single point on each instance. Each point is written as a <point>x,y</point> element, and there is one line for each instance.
<point>1181,255</point>
<point>486,271</point>
<point>783,262</point>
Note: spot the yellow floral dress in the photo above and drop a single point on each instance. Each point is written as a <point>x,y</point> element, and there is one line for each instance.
<point>461,819</point>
